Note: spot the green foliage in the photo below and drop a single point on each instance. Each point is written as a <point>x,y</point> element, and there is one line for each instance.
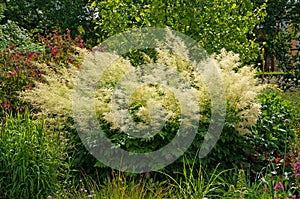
<point>279,27</point>
<point>40,16</point>
<point>229,150</point>
<point>22,71</point>
<point>2,9</point>
<point>260,74</point>
<point>12,35</point>
<point>274,133</point>
<point>55,98</point>
<point>271,136</point>
<point>276,122</point>
<point>216,24</point>
<point>121,186</point>
<point>196,182</point>
<point>294,98</point>
<point>30,158</point>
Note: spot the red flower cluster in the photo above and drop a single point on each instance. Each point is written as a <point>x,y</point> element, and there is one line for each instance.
<point>18,70</point>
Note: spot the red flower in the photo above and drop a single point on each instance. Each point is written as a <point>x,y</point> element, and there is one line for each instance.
<point>278,186</point>
<point>58,52</point>
<point>296,166</point>
<point>6,105</point>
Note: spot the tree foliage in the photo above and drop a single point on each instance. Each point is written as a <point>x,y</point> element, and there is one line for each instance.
<point>45,16</point>
<point>216,24</point>
<point>280,27</point>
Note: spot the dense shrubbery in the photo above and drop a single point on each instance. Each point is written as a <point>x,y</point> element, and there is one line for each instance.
<point>201,20</point>
<point>274,132</point>
<point>55,98</point>
<point>44,157</point>
<point>276,122</point>
<point>23,70</point>
<point>12,35</point>
<point>17,72</point>
<point>235,146</point>
<point>259,132</point>
<point>19,69</point>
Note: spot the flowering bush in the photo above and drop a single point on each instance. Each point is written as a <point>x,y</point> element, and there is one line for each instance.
<point>55,98</point>
<point>20,70</point>
<point>17,71</point>
<point>61,48</point>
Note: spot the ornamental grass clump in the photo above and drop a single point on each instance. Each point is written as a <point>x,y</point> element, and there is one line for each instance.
<point>31,160</point>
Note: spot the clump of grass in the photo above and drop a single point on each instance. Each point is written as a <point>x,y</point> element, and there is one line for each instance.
<point>195,182</point>
<point>29,158</point>
<point>124,187</point>
<point>117,186</point>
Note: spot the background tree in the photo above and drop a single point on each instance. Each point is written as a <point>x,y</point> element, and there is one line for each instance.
<point>45,16</point>
<point>216,24</point>
<point>276,32</point>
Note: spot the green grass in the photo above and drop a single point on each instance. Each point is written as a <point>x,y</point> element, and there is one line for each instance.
<point>29,158</point>
<point>190,186</point>
<point>118,186</point>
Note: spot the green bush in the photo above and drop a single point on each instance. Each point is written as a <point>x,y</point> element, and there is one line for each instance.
<point>274,134</point>
<point>55,98</point>
<point>271,137</point>
<point>29,158</point>
<point>201,20</point>
<point>12,35</point>
<point>276,122</point>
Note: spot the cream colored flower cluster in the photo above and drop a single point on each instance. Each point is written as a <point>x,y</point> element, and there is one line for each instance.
<point>241,89</point>
<point>55,96</point>
<point>139,102</point>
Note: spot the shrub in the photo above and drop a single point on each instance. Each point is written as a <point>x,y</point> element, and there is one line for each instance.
<point>17,72</point>
<point>274,133</point>
<point>55,98</point>
<point>12,35</point>
<point>30,158</point>
<point>20,69</point>
<point>276,122</point>
<point>61,49</point>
